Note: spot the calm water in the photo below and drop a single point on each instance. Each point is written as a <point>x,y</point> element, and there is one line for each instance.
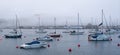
<point>8,46</point>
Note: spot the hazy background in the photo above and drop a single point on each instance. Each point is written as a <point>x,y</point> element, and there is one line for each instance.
<point>28,11</point>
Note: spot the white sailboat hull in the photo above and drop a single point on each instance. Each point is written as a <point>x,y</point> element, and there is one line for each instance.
<point>41,31</point>
<point>66,32</point>
<point>101,37</point>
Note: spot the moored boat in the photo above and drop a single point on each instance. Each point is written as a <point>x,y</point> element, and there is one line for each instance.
<point>54,35</point>
<point>76,33</point>
<point>13,36</point>
<point>33,44</point>
<point>46,38</point>
<point>99,37</point>
<point>16,33</point>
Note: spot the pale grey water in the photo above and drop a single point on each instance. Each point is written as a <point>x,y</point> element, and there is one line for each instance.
<point>8,46</point>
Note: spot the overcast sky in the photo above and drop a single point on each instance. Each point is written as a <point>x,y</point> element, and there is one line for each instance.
<point>28,10</point>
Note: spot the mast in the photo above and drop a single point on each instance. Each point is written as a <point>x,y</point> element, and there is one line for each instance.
<point>55,24</point>
<point>102,20</point>
<point>16,24</point>
<point>78,22</point>
<point>18,27</point>
<point>92,23</point>
<point>66,25</point>
<point>110,22</point>
<point>39,23</point>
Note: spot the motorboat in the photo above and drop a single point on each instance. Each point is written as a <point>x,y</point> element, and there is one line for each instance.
<point>33,44</point>
<point>46,38</point>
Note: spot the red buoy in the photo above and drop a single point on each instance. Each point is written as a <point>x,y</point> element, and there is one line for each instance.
<point>78,45</point>
<point>70,50</point>
<point>111,39</point>
<point>17,46</point>
<point>24,36</point>
<point>57,39</point>
<point>33,39</point>
<point>48,45</point>
<point>118,44</point>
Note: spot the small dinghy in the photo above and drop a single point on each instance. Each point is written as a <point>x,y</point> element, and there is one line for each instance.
<point>33,44</point>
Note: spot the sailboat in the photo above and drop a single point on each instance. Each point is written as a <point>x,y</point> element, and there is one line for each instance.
<point>66,27</point>
<point>99,36</point>
<point>16,31</point>
<point>112,30</point>
<point>54,34</point>
<point>77,32</point>
<point>40,30</point>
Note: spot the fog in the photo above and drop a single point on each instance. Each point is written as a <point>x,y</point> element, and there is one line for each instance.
<point>61,9</point>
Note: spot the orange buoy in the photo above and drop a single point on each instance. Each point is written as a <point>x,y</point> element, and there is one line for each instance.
<point>78,45</point>
<point>17,46</point>
<point>70,50</point>
<point>48,45</point>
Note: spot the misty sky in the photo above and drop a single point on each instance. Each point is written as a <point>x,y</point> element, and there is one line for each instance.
<point>29,10</point>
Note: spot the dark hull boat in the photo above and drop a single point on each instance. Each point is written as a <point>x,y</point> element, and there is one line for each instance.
<point>13,36</point>
<point>54,35</point>
<point>16,33</point>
